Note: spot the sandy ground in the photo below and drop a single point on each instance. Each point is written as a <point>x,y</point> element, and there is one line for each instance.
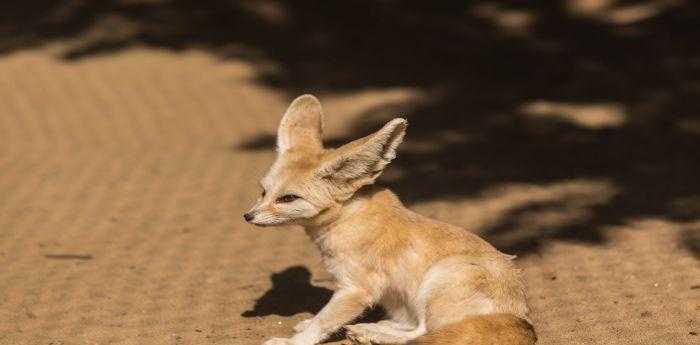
<point>123,181</point>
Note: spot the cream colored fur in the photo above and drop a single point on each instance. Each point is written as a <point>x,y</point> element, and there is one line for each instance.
<point>433,279</point>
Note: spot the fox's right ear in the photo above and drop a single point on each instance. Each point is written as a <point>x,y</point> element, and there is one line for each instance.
<point>301,125</point>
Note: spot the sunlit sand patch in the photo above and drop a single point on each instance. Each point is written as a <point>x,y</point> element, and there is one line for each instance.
<point>270,11</point>
<point>538,206</point>
<point>384,104</point>
<point>508,20</point>
<point>589,115</point>
<point>614,12</point>
<point>588,7</point>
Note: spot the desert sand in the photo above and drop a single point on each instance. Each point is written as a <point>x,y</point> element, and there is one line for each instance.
<point>123,178</point>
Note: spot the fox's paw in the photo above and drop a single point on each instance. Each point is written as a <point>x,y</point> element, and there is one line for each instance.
<point>357,335</point>
<point>279,341</point>
<point>301,326</point>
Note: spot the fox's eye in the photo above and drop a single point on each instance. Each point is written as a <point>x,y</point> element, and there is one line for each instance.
<point>288,198</point>
<point>263,193</point>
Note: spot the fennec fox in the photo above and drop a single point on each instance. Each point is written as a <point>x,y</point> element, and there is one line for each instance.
<point>438,283</point>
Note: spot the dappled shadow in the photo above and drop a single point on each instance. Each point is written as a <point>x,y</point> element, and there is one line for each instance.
<point>515,92</point>
<point>691,239</point>
<point>568,97</point>
<point>291,293</point>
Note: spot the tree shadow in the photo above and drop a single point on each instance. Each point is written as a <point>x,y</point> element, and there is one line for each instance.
<point>291,293</point>
<point>691,239</point>
<point>516,92</point>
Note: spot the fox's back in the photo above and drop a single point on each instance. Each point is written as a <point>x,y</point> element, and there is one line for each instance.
<point>386,236</point>
<point>392,227</point>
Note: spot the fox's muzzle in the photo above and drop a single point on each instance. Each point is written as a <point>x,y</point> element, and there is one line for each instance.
<point>248,216</point>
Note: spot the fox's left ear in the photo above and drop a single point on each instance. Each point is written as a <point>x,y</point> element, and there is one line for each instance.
<point>301,125</point>
<point>360,162</point>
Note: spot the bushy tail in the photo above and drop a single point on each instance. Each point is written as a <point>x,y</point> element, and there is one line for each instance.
<point>494,329</point>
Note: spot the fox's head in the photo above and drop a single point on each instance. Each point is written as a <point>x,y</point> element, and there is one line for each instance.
<point>307,181</point>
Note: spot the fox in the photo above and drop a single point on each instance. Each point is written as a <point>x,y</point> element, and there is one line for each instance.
<point>439,284</point>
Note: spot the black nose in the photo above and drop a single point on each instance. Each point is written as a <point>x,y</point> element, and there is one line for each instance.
<point>248,217</point>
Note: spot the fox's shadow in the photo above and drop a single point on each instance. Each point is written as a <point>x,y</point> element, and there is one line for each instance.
<point>291,293</point>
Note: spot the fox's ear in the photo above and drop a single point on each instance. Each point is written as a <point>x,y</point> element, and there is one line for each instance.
<point>301,125</point>
<point>360,162</point>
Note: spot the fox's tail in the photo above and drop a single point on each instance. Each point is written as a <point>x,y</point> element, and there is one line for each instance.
<point>494,329</point>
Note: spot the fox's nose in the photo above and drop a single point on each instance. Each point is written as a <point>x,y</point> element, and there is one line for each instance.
<point>248,216</point>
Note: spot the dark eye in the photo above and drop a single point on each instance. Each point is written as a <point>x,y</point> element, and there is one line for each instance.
<point>288,198</point>
<point>263,193</point>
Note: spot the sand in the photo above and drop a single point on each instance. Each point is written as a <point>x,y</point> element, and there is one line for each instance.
<point>123,178</point>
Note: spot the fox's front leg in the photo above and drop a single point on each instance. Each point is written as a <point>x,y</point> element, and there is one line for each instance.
<point>345,305</point>
<point>301,326</point>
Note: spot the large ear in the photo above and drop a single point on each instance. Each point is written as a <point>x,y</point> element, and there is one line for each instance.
<point>301,125</point>
<point>360,162</point>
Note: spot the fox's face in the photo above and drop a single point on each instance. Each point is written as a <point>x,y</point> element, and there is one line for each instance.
<point>306,181</point>
<point>290,191</point>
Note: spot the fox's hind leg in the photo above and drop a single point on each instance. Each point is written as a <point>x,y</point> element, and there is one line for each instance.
<point>384,332</point>
<point>452,289</point>
<point>402,326</point>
